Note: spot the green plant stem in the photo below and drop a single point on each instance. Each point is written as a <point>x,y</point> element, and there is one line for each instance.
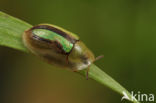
<point>11,30</point>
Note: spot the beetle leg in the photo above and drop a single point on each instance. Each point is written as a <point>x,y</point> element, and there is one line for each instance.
<point>67,59</point>
<point>97,58</point>
<point>87,72</point>
<point>75,70</point>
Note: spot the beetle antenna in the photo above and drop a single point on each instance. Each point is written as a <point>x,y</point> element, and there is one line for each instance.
<point>98,57</point>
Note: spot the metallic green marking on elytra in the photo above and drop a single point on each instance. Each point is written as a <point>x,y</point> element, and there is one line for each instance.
<point>64,30</point>
<point>47,34</point>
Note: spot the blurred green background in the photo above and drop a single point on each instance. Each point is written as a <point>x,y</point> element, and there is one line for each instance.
<point>123,30</point>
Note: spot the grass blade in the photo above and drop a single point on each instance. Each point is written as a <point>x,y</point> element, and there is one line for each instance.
<point>11,30</point>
